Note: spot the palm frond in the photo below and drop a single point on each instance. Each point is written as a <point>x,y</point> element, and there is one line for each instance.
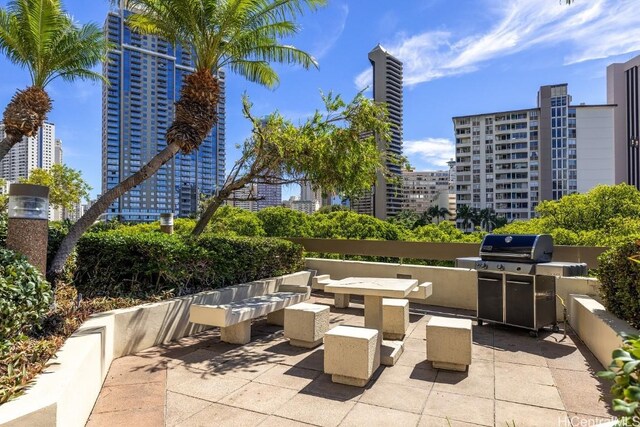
<point>40,36</point>
<point>256,72</point>
<point>244,35</point>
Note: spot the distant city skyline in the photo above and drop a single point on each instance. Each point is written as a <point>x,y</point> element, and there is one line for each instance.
<point>484,55</point>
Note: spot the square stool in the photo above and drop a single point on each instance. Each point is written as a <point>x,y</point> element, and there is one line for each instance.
<point>395,318</point>
<point>305,324</point>
<point>449,343</point>
<point>351,355</point>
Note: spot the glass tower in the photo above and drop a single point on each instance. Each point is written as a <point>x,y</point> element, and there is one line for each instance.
<point>145,75</point>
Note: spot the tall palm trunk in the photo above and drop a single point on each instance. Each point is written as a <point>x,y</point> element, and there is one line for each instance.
<point>101,205</point>
<point>7,144</point>
<point>196,113</point>
<point>23,116</point>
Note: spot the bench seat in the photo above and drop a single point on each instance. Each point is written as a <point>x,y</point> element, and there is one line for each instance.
<point>422,291</point>
<point>234,318</point>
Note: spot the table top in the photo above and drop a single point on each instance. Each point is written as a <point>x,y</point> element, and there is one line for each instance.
<point>376,286</point>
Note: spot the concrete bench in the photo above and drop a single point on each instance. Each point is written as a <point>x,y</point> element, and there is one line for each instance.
<point>305,324</point>
<point>449,343</point>
<point>351,355</point>
<point>232,308</point>
<point>395,318</point>
<point>422,291</point>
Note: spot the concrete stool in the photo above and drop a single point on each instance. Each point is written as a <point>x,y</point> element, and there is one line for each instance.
<point>395,318</point>
<point>351,355</point>
<point>449,343</point>
<point>305,324</point>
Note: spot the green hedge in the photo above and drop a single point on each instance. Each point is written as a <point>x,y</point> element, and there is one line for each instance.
<point>122,264</point>
<point>620,278</point>
<point>24,296</point>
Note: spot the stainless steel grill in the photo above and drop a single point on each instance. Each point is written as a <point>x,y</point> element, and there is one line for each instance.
<point>517,280</point>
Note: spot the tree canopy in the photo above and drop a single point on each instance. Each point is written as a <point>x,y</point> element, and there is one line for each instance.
<point>66,186</point>
<point>336,150</point>
<point>604,216</point>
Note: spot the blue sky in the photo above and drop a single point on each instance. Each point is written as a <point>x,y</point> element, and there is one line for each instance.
<point>460,57</point>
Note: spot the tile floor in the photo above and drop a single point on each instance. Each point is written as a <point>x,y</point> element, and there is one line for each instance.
<point>200,381</point>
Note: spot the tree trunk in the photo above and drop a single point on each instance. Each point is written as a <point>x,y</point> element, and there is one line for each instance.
<point>101,205</point>
<point>7,143</point>
<point>217,201</point>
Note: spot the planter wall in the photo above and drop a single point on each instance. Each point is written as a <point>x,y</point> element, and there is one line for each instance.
<point>64,394</point>
<point>596,327</point>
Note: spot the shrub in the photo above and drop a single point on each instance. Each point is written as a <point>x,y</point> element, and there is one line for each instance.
<point>236,221</point>
<point>24,295</point>
<point>624,371</point>
<point>620,278</point>
<point>124,264</point>
<point>284,222</point>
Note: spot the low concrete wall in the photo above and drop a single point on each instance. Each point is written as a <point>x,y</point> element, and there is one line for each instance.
<point>432,250</point>
<point>452,287</point>
<point>64,394</point>
<point>596,327</point>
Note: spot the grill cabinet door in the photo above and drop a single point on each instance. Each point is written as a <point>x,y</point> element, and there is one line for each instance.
<point>519,301</point>
<point>490,297</point>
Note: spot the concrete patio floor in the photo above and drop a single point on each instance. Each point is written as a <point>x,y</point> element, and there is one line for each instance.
<point>200,381</point>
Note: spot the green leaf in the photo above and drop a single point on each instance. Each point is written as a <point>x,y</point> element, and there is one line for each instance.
<point>609,375</point>
<point>631,366</point>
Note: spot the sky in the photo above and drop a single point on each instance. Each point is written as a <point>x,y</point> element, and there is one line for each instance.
<point>460,57</point>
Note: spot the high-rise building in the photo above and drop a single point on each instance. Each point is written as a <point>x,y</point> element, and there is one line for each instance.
<point>623,90</point>
<point>57,152</point>
<point>422,190</point>
<point>386,197</point>
<point>244,198</point>
<point>145,75</point>
<point>30,153</point>
<point>510,161</point>
<point>269,195</point>
<point>308,194</point>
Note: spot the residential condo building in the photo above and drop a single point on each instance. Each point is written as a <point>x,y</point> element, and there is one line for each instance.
<point>30,153</point>
<point>385,199</point>
<point>623,90</point>
<point>424,189</point>
<point>57,152</point>
<point>510,161</point>
<point>145,75</point>
<point>269,195</point>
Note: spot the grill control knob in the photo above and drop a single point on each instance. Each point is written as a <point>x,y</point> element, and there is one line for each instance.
<point>500,267</point>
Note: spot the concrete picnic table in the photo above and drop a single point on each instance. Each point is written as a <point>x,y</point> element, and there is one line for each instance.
<point>374,289</point>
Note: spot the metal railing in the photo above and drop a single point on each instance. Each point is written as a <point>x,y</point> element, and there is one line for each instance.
<point>432,251</point>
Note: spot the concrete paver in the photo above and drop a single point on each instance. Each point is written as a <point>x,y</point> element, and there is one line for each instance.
<point>201,381</point>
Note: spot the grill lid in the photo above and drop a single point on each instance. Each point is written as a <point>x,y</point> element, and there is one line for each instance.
<point>517,247</point>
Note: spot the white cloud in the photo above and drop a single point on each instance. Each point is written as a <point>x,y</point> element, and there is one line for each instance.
<point>332,35</point>
<point>429,153</point>
<point>594,29</point>
<point>364,79</point>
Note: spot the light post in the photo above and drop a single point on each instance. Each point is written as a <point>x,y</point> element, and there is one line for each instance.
<point>166,223</point>
<point>28,227</point>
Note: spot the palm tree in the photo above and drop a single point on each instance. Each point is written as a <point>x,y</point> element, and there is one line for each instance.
<point>38,35</point>
<point>434,213</point>
<point>241,35</point>
<point>465,214</point>
<point>487,219</point>
<point>444,213</point>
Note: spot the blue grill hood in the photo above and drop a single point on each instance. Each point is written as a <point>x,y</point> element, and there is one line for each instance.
<point>517,247</point>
